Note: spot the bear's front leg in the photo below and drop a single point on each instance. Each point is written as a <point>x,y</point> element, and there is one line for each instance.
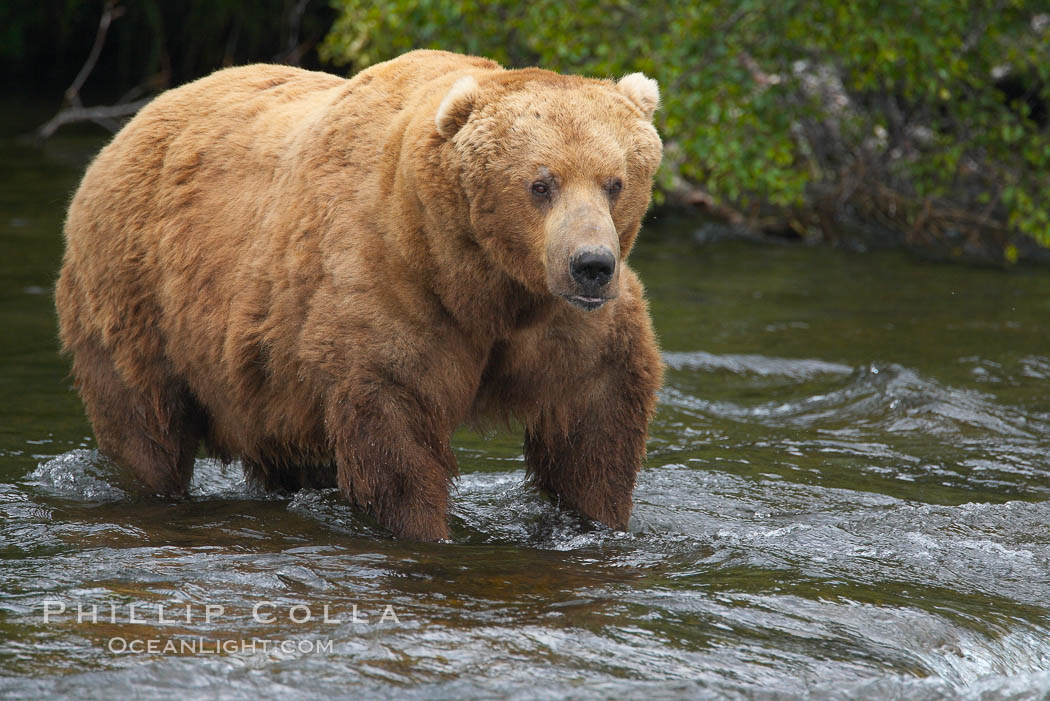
<point>393,460</point>
<point>587,450</point>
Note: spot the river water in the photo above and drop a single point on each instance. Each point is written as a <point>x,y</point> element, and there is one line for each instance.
<point>847,496</point>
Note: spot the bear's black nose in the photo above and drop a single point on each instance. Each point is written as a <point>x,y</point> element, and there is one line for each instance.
<point>593,266</point>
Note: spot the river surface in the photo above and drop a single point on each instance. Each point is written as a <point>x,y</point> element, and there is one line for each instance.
<point>847,496</point>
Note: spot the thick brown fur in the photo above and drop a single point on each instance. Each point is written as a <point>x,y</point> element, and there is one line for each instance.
<point>315,276</point>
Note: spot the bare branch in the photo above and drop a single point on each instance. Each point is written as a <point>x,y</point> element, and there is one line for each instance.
<point>94,114</point>
<point>106,116</point>
<point>109,13</point>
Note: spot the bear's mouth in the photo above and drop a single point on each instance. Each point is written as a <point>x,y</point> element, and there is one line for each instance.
<point>585,302</point>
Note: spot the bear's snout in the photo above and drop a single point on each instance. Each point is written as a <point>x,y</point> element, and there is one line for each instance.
<point>591,269</point>
<point>582,255</point>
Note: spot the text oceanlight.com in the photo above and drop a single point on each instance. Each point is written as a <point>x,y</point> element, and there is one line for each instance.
<point>205,646</point>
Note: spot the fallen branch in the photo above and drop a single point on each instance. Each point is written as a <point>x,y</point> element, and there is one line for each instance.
<point>74,110</point>
<point>93,114</point>
<point>702,200</point>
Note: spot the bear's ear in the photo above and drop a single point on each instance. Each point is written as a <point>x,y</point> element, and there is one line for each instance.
<point>643,92</point>
<point>455,109</point>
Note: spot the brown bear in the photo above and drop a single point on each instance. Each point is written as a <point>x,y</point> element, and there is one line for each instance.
<point>324,277</point>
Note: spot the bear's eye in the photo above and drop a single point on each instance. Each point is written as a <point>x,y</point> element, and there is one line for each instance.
<point>541,189</point>
<point>614,186</point>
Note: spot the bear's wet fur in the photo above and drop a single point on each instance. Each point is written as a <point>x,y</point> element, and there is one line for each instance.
<point>323,278</point>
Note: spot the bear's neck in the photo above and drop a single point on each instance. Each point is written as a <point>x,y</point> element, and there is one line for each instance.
<point>490,305</point>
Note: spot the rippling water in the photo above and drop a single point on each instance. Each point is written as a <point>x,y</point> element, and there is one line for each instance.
<point>847,496</point>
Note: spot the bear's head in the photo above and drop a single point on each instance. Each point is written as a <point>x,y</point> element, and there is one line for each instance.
<point>558,173</point>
